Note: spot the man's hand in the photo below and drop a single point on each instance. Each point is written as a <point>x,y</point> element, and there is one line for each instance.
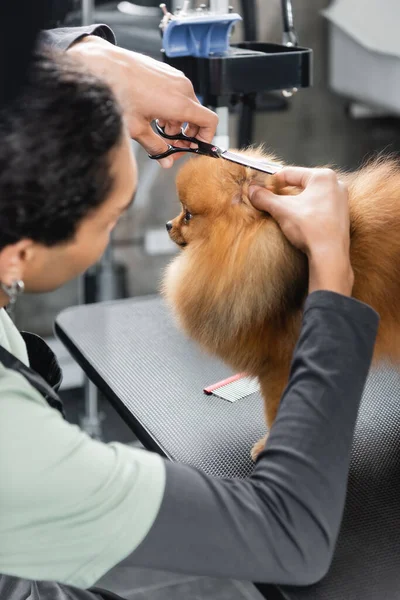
<point>146,90</point>
<point>316,221</point>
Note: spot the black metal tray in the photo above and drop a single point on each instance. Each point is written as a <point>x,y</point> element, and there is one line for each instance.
<point>250,67</point>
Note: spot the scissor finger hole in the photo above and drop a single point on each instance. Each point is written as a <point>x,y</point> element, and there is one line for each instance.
<point>192,131</point>
<point>173,128</point>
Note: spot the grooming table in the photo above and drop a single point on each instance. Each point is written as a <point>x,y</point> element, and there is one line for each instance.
<point>155,377</point>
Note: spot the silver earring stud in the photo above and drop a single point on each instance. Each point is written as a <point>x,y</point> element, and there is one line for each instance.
<point>14,290</point>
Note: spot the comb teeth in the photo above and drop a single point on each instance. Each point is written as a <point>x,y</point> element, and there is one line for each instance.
<point>235,388</point>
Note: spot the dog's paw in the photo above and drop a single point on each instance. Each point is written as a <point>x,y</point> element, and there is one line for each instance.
<point>258,447</point>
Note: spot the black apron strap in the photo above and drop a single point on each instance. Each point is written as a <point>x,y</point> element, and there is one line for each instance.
<point>37,381</point>
<point>42,359</point>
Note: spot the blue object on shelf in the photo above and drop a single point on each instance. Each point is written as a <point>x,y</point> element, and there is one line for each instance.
<point>199,36</point>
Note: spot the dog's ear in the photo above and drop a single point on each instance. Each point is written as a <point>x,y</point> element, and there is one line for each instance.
<point>237,198</point>
<point>252,178</point>
<point>237,178</point>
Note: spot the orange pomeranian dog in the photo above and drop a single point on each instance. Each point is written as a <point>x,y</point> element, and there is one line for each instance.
<point>238,286</point>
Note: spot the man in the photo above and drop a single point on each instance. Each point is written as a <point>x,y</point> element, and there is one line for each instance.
<point>63,494</point>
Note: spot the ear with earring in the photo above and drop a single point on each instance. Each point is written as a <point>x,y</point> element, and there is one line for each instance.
<point>14,290</point>
<point>12,258</point>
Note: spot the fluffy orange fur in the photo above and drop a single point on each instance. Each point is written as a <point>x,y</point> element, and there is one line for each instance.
<point>238,286</point>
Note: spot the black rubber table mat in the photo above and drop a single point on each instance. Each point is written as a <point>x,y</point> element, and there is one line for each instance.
<point>155,376</point>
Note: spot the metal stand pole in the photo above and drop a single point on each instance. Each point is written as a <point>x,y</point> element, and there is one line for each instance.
<point>219,6</point>
<point>216,6</point>
<point>106,280</point>
<point>91,420</point>
<point>103,278</point>
<point>221,138</point>
<point>222,135</point>
<point>87,8</point>
<point>289,33</point>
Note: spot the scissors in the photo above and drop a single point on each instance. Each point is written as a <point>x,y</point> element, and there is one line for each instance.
<point>205,149</point>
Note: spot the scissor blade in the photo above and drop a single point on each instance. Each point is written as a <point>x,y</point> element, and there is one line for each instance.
<point>253,163</point>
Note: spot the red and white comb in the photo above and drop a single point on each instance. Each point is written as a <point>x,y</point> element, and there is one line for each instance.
<point>234,388</point>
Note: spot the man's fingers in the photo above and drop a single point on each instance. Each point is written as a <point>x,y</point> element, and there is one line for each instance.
<point>202,122</point>
<point>301,177</point>
<point>205,119</point>
<point>154,144</point>
<point>297,176</point>
<point>267,201</point>
<point>192,130</point>
<point>173,128</point>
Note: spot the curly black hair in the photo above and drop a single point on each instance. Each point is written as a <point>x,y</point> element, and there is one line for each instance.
<point>54,152</point>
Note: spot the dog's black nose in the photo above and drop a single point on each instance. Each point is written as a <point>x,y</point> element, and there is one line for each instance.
<point>168,225</point>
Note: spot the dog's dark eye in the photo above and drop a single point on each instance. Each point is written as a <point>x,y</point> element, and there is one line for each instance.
<point>187,216</point>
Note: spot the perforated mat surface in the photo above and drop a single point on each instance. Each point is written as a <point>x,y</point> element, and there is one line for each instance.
<point>155,377</point>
